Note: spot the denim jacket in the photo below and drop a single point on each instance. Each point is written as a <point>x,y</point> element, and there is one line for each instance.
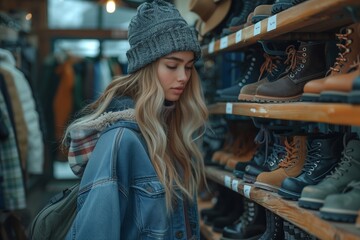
<point>120,196</point>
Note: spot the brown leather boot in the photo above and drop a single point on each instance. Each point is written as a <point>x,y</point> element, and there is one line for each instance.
<point>349,48</point>
<point>244,158</point>
<point>337,88</point>
<point>272,68</point>
<point>306,63</point>
<point>291,166</point>
<point>244,146</point>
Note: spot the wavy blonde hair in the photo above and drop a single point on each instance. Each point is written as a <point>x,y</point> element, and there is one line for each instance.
<point>172,142</point>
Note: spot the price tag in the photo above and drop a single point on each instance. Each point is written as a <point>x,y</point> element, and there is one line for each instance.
<point>247,190</point>
<point>227,181</point>
<point>229,108</point>
<point>234,185</point>
<point>238,36</point>
<point>211,47</point>
<point>224,42</point>
<point>257,28</point>
<point>271,23</point>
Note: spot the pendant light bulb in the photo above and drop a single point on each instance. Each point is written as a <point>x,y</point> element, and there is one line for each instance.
<point>110,6</point>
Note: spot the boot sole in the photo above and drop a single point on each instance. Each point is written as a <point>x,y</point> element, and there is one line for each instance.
<point>259,98</point>
<point>246,97</point>
<point>354,97</point>
<point>289,195</point>
<point>265,186</point>
<point>238,174</point>
<point>249,178</point>
<point>310,97</point>
<point>311,203</point>
<point>340,215</point>
<point>334,96</point>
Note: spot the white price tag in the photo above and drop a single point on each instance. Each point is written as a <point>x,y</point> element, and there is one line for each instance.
<point>271,23</point>
<point>229,108</point>
<point>227,181</point>
<point>247,190</point>
<point>257,28</point>
<point>211,47</point>
<point>224,42</point>
<point>234,185</point>
<point>238,36</point>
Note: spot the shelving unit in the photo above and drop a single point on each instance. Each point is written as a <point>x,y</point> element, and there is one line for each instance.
<point>289,210</point>
<point>311,16</point>
<point>310,20</point>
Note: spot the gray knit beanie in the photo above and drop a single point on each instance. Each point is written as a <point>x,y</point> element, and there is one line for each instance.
<point>157,30</point>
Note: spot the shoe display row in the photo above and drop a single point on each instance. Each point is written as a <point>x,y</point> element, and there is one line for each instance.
<point>288,71</point>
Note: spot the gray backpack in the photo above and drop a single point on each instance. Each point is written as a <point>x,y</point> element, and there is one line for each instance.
<point>55,219</point>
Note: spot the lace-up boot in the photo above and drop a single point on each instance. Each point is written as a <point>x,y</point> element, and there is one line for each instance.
<point>238,21</point>
<point>344,206</point>
<point>347,170</point>
<point>322,156</point>
<point>277,152</point>
<point>274,227</point>
<point>253,60</point>
<point>222,207</point>
<point>251,224</point>
<point>272,68</point>
<point>291,166</point>
<point>305,64</point>
<point>236,209</point>
<point>338,80</point>
<point>262,140</point>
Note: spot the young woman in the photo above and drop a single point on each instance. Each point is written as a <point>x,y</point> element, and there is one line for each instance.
<point>135,148</point>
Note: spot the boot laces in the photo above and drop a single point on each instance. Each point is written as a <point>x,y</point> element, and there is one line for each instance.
<point>291,154</point>
<point>270,65</point>
<point>344,165</point>
<point>313,158</point>
<point>352,185</point>
<point>295,59</point>
<point>277,155</point>
<point>343,45</point>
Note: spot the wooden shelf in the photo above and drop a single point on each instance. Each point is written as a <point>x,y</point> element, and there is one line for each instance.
<point>337,113</point>
<point>289,210</point>
<point>310,16</point>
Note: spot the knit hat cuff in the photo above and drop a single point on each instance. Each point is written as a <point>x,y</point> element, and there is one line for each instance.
<point>162,44</point>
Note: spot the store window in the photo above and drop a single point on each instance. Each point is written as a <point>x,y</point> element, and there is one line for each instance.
<point>75,14</point>
<point>72,14</point>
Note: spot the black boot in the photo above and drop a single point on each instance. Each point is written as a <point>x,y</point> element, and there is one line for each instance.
<point>236,209</point>
<point>277,153</point>
<point>251,224</point>
<point>324,152</point>
<point>274,227</point>
<point>221,208</point>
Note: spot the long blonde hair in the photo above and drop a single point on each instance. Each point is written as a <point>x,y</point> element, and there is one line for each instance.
<point>172,142</point>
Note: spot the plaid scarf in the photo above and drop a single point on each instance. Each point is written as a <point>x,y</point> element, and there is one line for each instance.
<point>84,138</point>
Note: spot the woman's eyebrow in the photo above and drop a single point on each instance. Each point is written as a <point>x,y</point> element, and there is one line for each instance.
<point>178,59</point>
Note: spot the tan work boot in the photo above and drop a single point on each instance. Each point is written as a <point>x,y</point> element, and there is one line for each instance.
<point>349,39</point>
<point>337,88</point>
<point>291,166</point>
